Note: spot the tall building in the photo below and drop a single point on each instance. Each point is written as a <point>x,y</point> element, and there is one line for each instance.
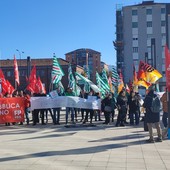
<point>86,58</point>
<point>142,31</point>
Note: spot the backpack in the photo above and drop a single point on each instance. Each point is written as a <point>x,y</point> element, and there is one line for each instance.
<point>156,105</point>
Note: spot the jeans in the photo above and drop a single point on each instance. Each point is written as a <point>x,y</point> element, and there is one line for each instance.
<point>68,109</point>
<point>131,116</point>
<point>27,115</point>
<point>165,119</point>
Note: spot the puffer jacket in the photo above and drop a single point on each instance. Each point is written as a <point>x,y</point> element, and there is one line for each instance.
<point>164,102</point>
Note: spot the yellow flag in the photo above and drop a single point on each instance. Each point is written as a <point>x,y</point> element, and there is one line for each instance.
<point>152,75</point>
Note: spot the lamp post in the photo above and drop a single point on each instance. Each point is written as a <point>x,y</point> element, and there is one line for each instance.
<point>20,55</point>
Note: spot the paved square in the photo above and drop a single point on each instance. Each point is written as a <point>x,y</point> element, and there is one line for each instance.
<point>100,147</point>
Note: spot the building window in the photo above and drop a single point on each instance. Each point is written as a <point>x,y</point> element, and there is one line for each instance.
<point>135,39</point>
<point>135,49</point>
<point>149,11</point>
<point>163,48</point>
<point>134,12</point>
<point>136,62</point>
<point>162,10</point>
<point>134,24</point>
<point>22,73</point>
<point>163,23</point>
<point>150,62</point>
<point>8,73</point>
<point>149,49</point>
<point>163,35</point>
<point>149,23</point>
<point>163,61</point>
<point>149,35</point>
<point>42,73</point>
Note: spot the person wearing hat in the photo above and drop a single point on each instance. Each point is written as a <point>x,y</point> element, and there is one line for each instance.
<point>152,117</point>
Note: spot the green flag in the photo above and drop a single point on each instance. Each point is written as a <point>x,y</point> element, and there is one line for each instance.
<point>57,71</point>
<point>85,80</point>
<point>104,88</point>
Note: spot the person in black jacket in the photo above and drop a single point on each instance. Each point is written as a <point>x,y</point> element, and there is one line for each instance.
<point>134,105</point>
<point>91,111</point>
<point>107,103</point>
<point>152,117</point>
<point>36,111</point>
<point>122,108</point>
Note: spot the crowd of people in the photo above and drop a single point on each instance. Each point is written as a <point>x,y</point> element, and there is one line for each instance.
<point>127,105</point>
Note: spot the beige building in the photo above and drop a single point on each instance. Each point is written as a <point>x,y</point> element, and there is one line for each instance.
<point>86,57</point>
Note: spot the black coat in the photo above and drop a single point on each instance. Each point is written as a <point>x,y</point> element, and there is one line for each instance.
<point>150,116</point>
<point>133,104</point>
<point>106,102</point>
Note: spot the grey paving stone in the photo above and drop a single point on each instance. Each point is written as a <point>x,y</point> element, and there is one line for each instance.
<point>98,147</point>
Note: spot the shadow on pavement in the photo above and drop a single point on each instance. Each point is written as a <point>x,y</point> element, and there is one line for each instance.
<point>47,136</point>
<point>80,151</point>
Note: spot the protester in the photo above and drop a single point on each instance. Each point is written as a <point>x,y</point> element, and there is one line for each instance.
<point>114,106</point>
<point>56,121</point>
<point>6,96</point>
<point>69,92</point>
<point>20,94</point>
<point>122,108</point>
<point>107,107</point>
<point>82,109</point>
<point>42,111</point>
<point>36,111</point>
<point>97,113</point>
<point>165,109</point>
<point>134,107</point>
<point>152,117</point>
<point>91,111</point>
<point>27,104</point>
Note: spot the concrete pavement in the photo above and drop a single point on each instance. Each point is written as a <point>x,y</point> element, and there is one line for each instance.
<point>100,147</point>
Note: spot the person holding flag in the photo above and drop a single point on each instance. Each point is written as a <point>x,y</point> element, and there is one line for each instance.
<point>122,104</point>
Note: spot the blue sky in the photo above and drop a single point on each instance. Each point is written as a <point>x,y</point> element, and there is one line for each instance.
<point>40,28</point>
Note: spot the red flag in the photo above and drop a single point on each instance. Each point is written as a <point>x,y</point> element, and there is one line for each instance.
<point>127,89</point>
<point>2,77</point>
<point>142,79</point>
<point>32,81</point>
<point>39,88</point>
<point>31,87</point>
<point>10,87</point>
<point>4,86</point>
<point>16,73</point>
<point>130,85</point>
<point>32,77</point>
<point>121,83</point>
<point>167,67</point>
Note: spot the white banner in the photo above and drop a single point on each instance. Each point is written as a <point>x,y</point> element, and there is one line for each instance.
<point>65,101</point>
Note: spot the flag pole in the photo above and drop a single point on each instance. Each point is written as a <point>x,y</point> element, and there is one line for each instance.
<point>15,85</point>
<point>168,113</point>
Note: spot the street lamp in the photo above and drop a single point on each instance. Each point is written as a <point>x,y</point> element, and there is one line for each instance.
<point>20,53</point>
